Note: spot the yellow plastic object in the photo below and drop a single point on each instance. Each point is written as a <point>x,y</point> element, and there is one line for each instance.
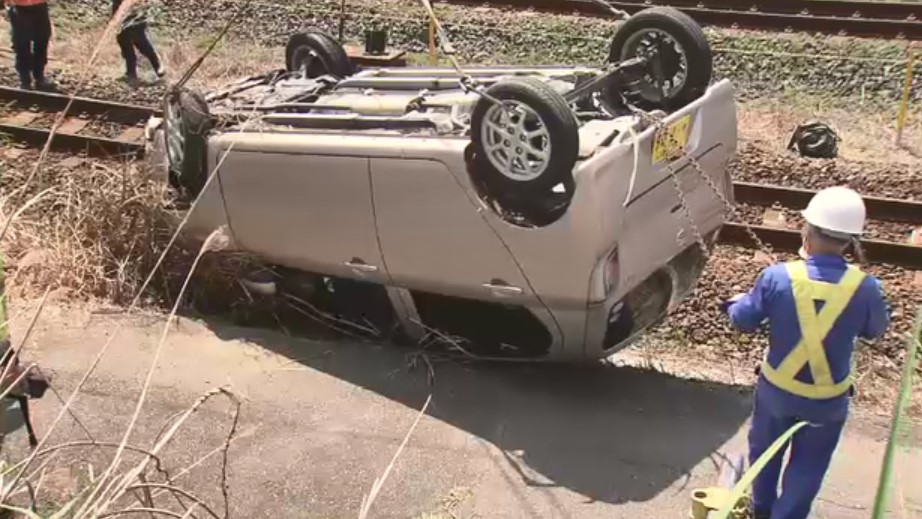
<point>707,500</point>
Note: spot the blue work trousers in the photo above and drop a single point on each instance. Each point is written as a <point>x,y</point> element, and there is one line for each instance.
<point>810,450</point>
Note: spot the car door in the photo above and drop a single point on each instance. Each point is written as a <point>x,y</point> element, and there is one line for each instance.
<point>308,212</point>
<point>434,238</point>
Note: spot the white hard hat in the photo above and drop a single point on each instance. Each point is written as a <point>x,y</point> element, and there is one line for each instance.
<point>837,209</point>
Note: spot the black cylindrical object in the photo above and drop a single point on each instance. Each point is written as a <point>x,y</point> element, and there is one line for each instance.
<point>376,41</point>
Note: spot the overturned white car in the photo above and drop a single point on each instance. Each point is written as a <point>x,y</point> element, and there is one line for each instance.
<point>528,211</point>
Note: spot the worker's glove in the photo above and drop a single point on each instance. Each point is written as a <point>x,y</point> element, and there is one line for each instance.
<point>725,306</point>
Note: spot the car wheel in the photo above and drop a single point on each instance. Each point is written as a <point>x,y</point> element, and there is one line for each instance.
<point>529,142</point>
<point>187,124</point>
<point>315,53</point>
<point>680,61</point>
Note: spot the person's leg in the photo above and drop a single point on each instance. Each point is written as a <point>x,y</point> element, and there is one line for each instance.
<point>811,451</point>
<point>125,40</point>
<point>146,48</point>
<point>764,430</point>
<point>41,38</point>
<point>22,46</point>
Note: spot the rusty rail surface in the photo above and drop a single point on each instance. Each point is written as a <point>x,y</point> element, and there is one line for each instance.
<point>877,251</point>
<point>841,17</point>
<point>879,208</point>
<point>25,101</point>
<point>55,102</point>
<point>91,145</point>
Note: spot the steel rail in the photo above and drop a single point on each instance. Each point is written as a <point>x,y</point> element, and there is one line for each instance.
<point>877,251</point>
<point>900,11</point>
<point>739,14</point>
<point>92,146</point>
<point>56,102</point>
<point>879,208</point>
<point>838,8</point>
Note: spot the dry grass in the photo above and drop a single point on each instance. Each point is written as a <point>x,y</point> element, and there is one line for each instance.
<point>96,234</point>
<point>141,479</point>
<point>93,234</point>
<point>104,232</point>
<point>100,230</point>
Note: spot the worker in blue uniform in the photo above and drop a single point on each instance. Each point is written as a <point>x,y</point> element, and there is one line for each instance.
<point>816,308</point>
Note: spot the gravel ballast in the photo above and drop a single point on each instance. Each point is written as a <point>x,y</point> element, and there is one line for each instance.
<point>757,62</point>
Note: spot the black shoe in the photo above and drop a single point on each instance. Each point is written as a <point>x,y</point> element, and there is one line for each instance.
<point>133,81</point>
<point>25,82</point>
<point>45,85</point>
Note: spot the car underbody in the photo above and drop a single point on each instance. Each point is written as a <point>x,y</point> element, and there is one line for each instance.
<point>508,212</point>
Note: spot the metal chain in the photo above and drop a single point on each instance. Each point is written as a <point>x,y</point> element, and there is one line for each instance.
<point>733,210</point>
<point>657,122</point>
<point>730,209</point>
<point>469,85</point>
<point>687,212</point>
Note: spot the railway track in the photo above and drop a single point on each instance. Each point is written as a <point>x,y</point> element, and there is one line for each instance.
<point>94,127</point>
<point>839,17</point>
<point>24,108</point>
<point>879,209</point>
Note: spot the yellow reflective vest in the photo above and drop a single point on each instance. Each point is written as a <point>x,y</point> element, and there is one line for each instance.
<point>814,327</point>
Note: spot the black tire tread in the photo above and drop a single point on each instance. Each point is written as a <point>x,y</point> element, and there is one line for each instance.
<point>195,112</point>
<point>197,123</point>
<point>689,34</point>
<point>330,50</point>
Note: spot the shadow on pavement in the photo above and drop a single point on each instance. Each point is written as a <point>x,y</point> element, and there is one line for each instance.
<point>612,434</point>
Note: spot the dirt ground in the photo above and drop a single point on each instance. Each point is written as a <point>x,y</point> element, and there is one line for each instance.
<point>322,419</point>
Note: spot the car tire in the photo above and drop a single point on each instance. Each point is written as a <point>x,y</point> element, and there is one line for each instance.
<point>658,23</point>
<point>538,148</point>
<point>323,54</point>
<point>188,123</point>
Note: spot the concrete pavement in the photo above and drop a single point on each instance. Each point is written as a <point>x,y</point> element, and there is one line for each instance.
<point>498,441</point>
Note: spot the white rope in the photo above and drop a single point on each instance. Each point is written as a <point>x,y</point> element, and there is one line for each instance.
<point>630,187</point>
